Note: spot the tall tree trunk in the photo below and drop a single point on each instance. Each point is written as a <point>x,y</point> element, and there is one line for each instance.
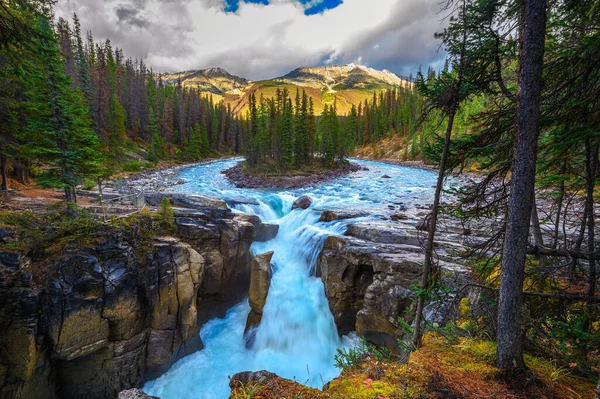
<point>101,199</point>
<point>531,63</point>
<point>538,238</point>
<point>428,277</point>
<point>3,172</point>
<point>587,209</point>
<point>597,395</point>
<point>538,241</point>
<point>559,204</point>
<point>591,165</point>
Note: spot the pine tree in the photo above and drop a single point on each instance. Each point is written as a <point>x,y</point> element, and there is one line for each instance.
<point>59,131</point>
<point>287,135</point>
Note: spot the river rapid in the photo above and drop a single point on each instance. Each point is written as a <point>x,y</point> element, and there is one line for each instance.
<point>297,337</point>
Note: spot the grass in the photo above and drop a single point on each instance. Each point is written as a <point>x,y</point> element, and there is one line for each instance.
<point>461,369</point>
<point>41,235</point>
<point>44,235</point>
<point>464,369</point>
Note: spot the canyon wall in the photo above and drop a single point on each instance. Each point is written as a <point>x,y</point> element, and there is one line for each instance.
<point>100,318</point>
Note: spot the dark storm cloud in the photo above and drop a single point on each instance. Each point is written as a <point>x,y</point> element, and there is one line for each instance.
<point>130,16</point>
<point>401,43</point>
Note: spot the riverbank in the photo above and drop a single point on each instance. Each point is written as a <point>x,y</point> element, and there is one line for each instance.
<point>161,178</point>
<point>239,176</point>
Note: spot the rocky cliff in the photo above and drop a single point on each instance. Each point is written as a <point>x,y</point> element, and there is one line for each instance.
<point>105,316</point>
<point>368,275</point>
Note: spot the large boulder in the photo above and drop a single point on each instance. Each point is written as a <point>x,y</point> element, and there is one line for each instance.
<point>267,232</point>
<point>135,394</point>
<point>330,216</point>
<point>303,202</point>
<point>264,231</point>
<point>260,282</point>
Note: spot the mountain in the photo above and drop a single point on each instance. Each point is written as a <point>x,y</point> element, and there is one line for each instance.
<point>346,77</point>
<point>346,84</point>
<point>211,80</point>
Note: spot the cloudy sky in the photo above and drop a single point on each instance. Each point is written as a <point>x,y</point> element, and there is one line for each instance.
<point>260,39</point>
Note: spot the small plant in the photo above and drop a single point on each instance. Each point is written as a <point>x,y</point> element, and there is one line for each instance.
<point>132,166</point>
<point>381,353</point>
<point>247,390</point>
<point>88,184</point>
<point>346,358</point>
<point>166,216</point>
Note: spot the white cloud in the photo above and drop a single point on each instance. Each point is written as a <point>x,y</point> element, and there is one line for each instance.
<point>261,41</point>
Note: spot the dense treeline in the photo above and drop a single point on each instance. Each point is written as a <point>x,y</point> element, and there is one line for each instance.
<point>280,133</point>
<point>127,101</point>
<point>73,109</point>
<point>531,69</point>
<point>285,133</point>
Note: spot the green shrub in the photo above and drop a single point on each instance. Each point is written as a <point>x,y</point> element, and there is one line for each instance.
<point>132,166</point>
<point>166,216</point>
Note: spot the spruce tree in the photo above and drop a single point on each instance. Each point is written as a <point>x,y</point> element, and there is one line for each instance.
<point>59,129</point>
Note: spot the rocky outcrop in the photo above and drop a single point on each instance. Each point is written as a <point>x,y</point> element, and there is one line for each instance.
<point>264,231</point>
<point>264,384</point>
<point>106,316</point>
<point>302,203</point>
<point>135,394</point>
<point>260,282</point>
<point>368,275</point>
<point>330,216</point>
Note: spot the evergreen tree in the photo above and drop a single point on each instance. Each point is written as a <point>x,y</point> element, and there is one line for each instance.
<point>59,131</point>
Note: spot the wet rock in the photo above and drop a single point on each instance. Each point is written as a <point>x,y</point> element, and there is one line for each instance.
<point>181,181</point>
<point>399,216</point>
<point>303,202</point>
<point>267,232</point>
<point>135,394</point>
<point>260,282</point>
<point>246,377</point>
<point>385,177</point>
<point>264,231</point>
<point>389,234</point>
<point>330,216</point>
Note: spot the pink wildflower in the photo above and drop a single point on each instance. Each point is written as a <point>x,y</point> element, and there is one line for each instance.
<point>367,383</point>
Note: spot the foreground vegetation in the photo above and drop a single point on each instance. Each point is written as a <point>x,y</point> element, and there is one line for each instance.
<point>442,368</point>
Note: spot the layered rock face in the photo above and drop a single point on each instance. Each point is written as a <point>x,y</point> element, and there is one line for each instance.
<point>260,282</point>
<point>102,318</point>
<point>368,275</point>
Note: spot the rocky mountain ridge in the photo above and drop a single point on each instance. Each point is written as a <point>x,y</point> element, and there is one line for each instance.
<point>348,84</point>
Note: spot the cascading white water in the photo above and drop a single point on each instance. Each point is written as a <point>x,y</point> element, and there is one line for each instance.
<point>297,337</point>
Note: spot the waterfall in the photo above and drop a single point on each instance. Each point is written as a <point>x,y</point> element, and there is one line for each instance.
<point>297,337</point>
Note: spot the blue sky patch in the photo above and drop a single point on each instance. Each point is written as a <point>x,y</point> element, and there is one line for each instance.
<point>311,7</point>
